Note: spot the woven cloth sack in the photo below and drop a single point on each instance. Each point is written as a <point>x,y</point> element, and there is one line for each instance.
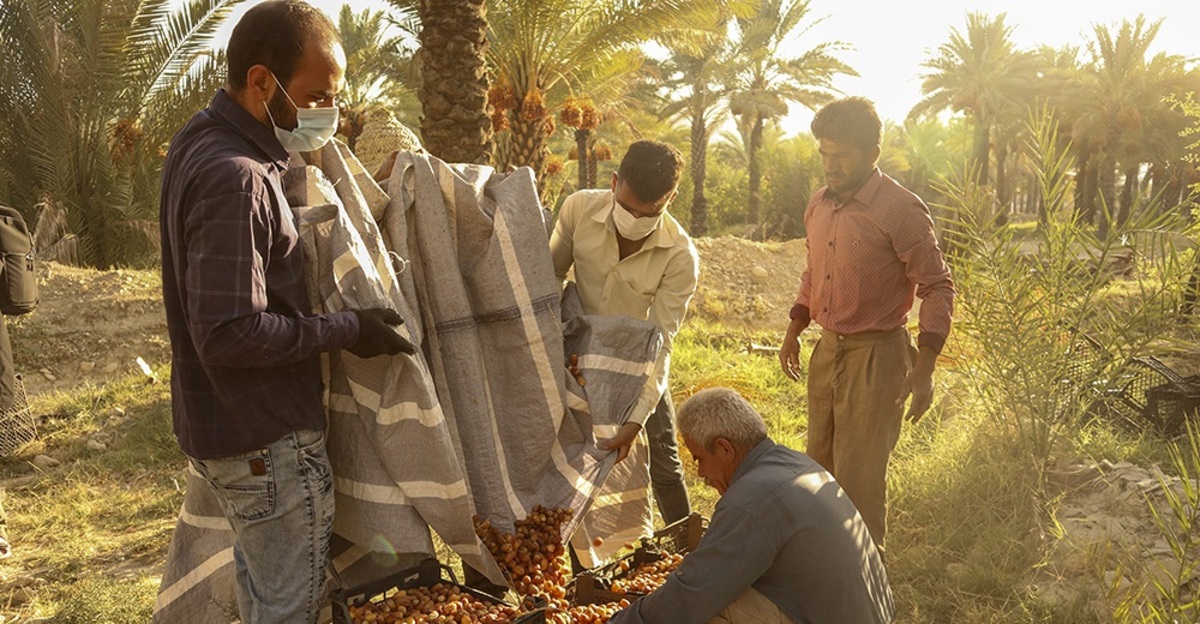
<point>383,134</point>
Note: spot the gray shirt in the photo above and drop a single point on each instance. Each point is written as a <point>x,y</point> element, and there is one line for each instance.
<point>785,528</point>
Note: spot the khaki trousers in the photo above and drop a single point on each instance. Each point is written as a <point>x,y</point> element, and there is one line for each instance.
<point>853,419</point>
<point>751,607</point>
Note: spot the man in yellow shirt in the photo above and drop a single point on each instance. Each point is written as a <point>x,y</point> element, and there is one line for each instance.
<point>633,259</point>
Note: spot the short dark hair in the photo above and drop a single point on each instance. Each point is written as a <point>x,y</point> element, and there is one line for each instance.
<point>852,120</point>
<point>651,169</point>
<point>275,33</point>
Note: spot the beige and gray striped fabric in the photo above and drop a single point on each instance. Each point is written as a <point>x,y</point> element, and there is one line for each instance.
<point>484,421</point>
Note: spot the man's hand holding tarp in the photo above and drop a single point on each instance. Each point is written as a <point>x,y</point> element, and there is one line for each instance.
<point>378,335</point>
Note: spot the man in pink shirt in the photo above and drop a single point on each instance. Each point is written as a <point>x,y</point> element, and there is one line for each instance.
<point>871,249</point>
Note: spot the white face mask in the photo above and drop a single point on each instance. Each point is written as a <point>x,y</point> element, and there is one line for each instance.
<point>631,227</point>
<point>314,126</point>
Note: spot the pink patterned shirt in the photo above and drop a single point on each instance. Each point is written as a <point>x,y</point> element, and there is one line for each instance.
<point>868,257</point>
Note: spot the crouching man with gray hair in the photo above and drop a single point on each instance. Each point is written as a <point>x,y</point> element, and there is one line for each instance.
<point>785,544</point>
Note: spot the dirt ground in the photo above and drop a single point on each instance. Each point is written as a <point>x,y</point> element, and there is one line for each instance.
<point>748,283</point>
<point>91,325</point>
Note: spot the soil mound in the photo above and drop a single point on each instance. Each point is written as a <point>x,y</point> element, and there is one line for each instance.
<point>748,283</point>
<point>89,326</point>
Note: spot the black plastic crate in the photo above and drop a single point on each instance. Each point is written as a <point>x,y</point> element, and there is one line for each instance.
<point>1085,358</point>
<point>594,586</point>
<point>1172,404</point>
<point>678,538</point>
<point>425,574</point>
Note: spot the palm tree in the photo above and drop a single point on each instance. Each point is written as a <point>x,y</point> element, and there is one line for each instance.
<point>380,73</point>
<point>581,116</point>
<point>767,80</point>
<point>91,92</point>
<point>920,152</point>
<point>1122,109</point>
<point>543,51</point>
<point>1173,182</point>
<point>982,74</point>
<point>698,84</point>
<point>792,173</point>
<point>1054,91</point>
<point>454,82</point>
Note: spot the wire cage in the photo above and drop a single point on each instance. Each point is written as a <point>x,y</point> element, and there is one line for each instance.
<point>1142,393</point>
<point>1149,395</point>
<point>1084,376</point>
<point>1084,359</point>
<point>16,423</point>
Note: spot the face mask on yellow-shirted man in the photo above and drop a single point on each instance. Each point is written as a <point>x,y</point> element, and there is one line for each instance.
<point>631,227</point>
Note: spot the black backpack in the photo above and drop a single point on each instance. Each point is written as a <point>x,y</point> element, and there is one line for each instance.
<point>18,279</point>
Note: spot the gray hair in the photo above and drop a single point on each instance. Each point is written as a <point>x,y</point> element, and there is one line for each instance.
<point>721,413</point>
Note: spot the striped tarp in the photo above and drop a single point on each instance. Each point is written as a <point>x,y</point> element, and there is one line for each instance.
<point>484,421</point>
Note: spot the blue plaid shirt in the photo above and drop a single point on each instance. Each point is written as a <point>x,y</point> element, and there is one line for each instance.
<point>245,349</point>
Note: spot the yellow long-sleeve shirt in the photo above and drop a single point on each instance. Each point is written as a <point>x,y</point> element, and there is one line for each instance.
<point>654,283</point>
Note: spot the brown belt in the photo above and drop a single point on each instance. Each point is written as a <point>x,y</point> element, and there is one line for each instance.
<point>869,336</point>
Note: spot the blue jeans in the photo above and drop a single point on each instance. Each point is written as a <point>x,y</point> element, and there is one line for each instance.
<point>666,471</point>
<point>279,501</point>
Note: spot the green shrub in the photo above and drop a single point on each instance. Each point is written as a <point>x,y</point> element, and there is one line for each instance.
<point>1048,319</point>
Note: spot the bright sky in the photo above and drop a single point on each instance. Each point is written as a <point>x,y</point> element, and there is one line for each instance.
<point>890,40</point>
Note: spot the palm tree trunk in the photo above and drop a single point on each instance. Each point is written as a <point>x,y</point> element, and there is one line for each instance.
<point>756,133</point>
<point>592,162</point>
<point>1131,182</point>
<point>581,146</point>
<point>1153,183</point>
<point>1106,180</point>
<point>528,146</point>
<point>1002,191</point>
<point>982,148</point>
<point>1038,200</point>
<point>699,172</point>
<point>1085,186</point>
<point>1172,194</point>
<point>454,82</point>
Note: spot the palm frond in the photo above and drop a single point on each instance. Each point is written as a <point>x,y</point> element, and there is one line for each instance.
<point>165,42</point>
<point>173,105</point>
<point>75,80</point>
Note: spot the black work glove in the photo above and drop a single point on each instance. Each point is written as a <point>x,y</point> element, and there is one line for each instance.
<point>377,334</point>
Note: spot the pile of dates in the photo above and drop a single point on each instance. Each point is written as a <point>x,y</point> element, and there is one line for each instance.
<point>533,556</point>
<point>533,559</point>
<point>587,614</point>
<point>647,577</point>
<point>443,603</point>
